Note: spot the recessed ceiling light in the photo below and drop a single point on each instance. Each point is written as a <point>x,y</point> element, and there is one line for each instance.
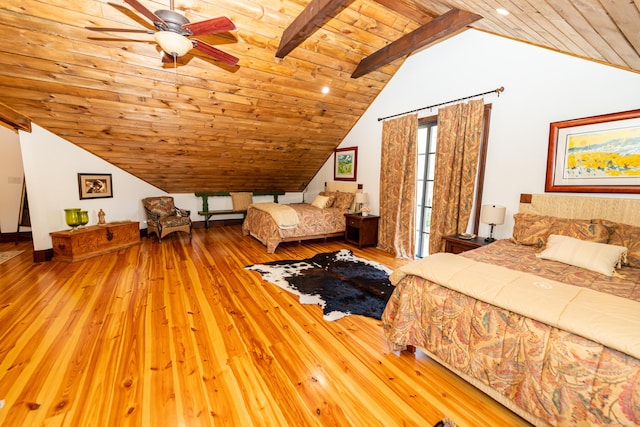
<point>502,11</point>
<point>325,90</point>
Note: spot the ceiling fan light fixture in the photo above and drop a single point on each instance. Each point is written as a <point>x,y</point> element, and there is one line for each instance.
<point>173,43</point>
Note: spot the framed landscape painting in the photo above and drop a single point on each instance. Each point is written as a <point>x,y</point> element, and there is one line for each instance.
<point>345,166</point>
<point>599,154</point>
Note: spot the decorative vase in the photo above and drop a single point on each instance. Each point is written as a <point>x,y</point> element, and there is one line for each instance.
<point>84,218</point>
<point>72,217</point>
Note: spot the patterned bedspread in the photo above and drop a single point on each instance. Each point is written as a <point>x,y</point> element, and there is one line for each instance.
<point>546,374</point>
<point>313,222</point>
<point>523,258</point>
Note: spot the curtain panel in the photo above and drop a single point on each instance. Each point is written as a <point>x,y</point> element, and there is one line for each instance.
<point>396,230</point>
<point>458,141</point>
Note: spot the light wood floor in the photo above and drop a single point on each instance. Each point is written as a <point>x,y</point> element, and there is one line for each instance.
<point>179,334</point>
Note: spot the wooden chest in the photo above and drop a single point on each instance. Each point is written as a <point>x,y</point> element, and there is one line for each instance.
<point>94,240</point>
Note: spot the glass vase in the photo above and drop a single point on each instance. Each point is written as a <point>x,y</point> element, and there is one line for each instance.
<point>72,217</point>
<point>84,218</point>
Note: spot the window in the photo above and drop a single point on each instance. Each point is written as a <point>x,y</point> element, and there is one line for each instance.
<point>427,135</point>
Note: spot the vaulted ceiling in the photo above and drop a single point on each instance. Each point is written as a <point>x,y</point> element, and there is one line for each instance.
<point>263,124</point>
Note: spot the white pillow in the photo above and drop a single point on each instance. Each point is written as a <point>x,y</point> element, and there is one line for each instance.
<point>321,202</point>
<point>598,257</point>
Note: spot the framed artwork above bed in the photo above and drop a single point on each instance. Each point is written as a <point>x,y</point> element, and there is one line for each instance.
<point>345,164</point>
<point>599,154</point>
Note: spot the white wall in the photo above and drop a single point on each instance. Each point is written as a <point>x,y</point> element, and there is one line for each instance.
<point>541,86</point>
<point>11,176</point>
<point>51,167</point>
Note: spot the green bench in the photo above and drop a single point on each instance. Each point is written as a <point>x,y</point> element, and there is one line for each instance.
<point>207,214</point>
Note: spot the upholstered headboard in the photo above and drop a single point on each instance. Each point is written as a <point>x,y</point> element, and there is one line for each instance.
<point>344,186</point>
<point>625,211</point>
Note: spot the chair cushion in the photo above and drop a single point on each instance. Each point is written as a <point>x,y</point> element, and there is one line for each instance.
<point>162,206</point>
<point>174,221</point>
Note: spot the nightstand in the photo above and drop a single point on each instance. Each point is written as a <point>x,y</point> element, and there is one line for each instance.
<point>361,230</point>
<point>455,245</point>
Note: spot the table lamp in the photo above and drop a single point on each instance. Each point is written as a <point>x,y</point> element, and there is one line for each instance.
<point>360,200</point>
<point>492,215</point>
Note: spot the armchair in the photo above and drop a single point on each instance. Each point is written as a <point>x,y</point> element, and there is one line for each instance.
<point>164,218</point>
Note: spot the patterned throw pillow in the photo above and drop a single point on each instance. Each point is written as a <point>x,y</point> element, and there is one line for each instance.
<point>530,229</point>
<point>331,196</point>
<point>624,235</point>
<point>342,200</point>
<point>534,230</point>
<point>582,229</point>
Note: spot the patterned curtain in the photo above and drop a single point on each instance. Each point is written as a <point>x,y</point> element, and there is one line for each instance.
<point>459,138</point>
<point>396,231</point>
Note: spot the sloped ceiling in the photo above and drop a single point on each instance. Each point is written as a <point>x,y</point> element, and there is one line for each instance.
<point>263,124</point>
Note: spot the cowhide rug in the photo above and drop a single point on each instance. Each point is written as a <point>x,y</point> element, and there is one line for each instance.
<point>339,282</point>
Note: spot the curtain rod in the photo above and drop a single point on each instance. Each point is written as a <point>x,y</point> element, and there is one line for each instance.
<point>498,90</point>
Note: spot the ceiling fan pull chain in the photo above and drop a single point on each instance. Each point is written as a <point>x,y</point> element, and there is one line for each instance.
<point>175,69</point>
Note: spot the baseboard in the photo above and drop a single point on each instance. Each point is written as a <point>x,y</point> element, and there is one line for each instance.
<point>43,255</point>
<point>23,236</point>
<point>218,222</point>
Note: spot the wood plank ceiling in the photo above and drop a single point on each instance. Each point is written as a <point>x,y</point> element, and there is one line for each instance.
<point>264,124</point>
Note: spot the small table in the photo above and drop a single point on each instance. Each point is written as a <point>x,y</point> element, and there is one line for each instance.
<point>361,230</point>
<point>454,244</point>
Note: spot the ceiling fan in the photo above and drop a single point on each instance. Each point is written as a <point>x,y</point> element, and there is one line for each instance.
<point>173,31</point>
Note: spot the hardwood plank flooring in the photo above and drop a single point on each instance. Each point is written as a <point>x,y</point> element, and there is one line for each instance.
<point>179,334</point>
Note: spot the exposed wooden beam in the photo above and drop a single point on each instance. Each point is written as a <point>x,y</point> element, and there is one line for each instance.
<point>311,17</point>
<point>14,119</point>
<point>440,28</point>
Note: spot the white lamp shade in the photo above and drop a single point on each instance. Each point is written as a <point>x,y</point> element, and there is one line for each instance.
<point>173,43</point>
<point>492,214</point>
<point>362,198</point>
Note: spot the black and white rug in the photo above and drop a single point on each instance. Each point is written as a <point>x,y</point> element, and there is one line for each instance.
<point>339,282</point>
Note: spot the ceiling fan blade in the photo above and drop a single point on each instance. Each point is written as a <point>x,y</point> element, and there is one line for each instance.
<point>132,14</point>
<point>210,26</point>
<point>143,10</point>
<point>214,53</point>
<point>119,30</point>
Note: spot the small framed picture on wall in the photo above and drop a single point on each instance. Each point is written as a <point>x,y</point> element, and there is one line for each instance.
<point>345,166</point>
<point>95,185</point>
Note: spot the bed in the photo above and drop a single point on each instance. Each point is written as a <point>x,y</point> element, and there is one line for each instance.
<point>321,219</point>
<point>557,343</point>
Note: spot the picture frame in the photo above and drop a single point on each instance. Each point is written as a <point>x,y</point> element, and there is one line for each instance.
<point>345,164</point>
<point>598,154</point>
<point>95,185</point>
